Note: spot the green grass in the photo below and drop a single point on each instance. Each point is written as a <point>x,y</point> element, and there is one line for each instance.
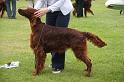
<point>108,62</point>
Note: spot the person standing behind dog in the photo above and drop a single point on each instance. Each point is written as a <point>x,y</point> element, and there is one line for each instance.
<point>57,14</point>
<point>80,5</point>
<point>11,11</point>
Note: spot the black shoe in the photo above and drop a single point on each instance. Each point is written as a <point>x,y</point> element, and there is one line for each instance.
<point>9,17</point>
<point>12,17</point>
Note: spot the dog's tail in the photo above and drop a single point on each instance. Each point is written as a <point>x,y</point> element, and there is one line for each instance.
<point>94,39</point>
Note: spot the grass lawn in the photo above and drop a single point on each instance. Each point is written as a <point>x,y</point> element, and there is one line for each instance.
<point>108,62</point>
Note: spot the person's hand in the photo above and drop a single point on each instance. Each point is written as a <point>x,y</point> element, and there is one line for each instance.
<point>41,12</point>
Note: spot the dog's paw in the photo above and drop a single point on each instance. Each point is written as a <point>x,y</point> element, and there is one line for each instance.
<point>86,73</point>
<point>34,73</point>
<point>85,70</point>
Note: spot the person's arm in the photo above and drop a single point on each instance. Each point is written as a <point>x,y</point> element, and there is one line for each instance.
<point>52,8</point>
<point>39,4</point>
<point>56,5</point>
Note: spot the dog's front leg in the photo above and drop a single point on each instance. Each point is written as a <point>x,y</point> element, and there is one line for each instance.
<point>1,14</point>
<point>40,57</point>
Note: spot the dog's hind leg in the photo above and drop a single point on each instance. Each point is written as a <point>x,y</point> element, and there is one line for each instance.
<point>74,12</point>
<point>91,12</point>
<point>40,57</point>
<point>0,14</point>
<point>81,54</point>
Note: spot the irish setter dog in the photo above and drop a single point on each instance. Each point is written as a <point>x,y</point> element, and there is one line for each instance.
<point>86,6</point>
<point>45,38</point>
<point>2,7</point>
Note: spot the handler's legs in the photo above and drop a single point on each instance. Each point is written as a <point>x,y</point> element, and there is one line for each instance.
<point>59,20</point>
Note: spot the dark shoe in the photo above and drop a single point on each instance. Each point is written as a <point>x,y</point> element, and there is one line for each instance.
<point>56,71</point>
<point>79,16</point>
<point>9,17</point>
<point>13,17</point>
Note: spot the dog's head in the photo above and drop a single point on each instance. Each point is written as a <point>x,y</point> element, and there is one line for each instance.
<point>27,12</point>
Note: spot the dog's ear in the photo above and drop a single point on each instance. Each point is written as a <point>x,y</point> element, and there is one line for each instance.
<point>34,20</point>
